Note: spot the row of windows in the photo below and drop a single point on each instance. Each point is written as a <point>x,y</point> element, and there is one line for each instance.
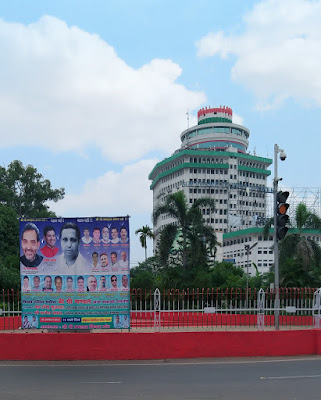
<point>216,145</point>
<point>236,241</point>
<point>208,191</point>
<point>172,176</point>
<point>250,213</point>
<point>251,164</point>
<point>172,165</point>
<point>250,203</point>
<point>221,201</point>
<point>220,191</point>
<point>242,253</point>
<point>215,129</point>
<point>225,172</point>
<point>169,188</point>
<point>314,238</point>
<point>209,160</point>
<point>265,263</point>
<point>251,194</point>
<point>251,175</point>
<point>253,185</point>
<point>208,171</point>
<point>217,160</point>
<point>216,181</point>
<point>260,238</point>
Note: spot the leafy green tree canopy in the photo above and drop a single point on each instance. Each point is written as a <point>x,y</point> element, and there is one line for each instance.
<point>26,191</point>
<point>23,193</point>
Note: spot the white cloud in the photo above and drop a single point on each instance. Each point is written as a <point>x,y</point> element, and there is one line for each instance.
<point>65,89</point>
<point>237,119</point>
<point>115,194</point>
<point>112,194</point>
<point>278,55</point>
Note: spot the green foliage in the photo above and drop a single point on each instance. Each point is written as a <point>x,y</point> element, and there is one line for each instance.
<point>143,276</point>
<point>165,243</point>
<point>299,257</point>
<point>9,249</point>
<point>300,262</point>
<point>9,232</point>
<point>26,191</point>
<point>10,273</point>
<point>189,242</point>
<point>305,218</point>
<point>149,275</point>
<point>227,275</point>
<point>173,277</point>
<point>23,193</point>
<point>144,233</point>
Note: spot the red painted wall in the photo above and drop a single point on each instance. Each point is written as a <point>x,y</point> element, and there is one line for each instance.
<point>144,346</point>
<point>169,319</point>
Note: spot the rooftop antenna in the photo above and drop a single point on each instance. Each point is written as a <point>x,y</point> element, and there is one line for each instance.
<point>187,118</point>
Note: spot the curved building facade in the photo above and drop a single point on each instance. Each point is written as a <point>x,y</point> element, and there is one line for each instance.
<point>215,131</point>
<point>213,161</point>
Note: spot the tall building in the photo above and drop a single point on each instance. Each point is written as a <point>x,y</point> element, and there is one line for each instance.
<point>213,161</point>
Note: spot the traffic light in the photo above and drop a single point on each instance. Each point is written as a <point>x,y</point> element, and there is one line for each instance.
<point>281,218</point>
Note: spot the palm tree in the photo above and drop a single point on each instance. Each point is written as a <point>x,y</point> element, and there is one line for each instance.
<point>145,232</point>
<point>189,221</point>
<point>306,219</point>
<point>299,256</point>
<point>296,245</point>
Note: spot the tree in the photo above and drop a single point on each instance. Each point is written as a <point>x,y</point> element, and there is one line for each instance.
<point>143,276</point>
<point>305,218</point>
<point>189,223</point>
<point>9,232</point>
<point>23,193</point>
<point>300,257</point>
<point>297,246</point>
<point>165,242</point>
<point>145,232</point>
<point>26,191</point>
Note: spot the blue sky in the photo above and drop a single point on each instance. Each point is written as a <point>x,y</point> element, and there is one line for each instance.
<point>94,93</point>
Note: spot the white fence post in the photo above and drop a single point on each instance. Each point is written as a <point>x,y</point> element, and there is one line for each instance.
<point>317,308</point>
<point>260,309</point>
<point>157,311</point>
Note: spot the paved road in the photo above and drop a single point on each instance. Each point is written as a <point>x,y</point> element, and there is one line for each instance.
<point>265,378</point>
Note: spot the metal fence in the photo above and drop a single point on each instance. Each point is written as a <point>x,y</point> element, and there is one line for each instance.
<point>228,308</point>
<point>203,309</point>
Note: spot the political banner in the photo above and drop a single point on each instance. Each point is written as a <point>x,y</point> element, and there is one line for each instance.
<point>75,273</point>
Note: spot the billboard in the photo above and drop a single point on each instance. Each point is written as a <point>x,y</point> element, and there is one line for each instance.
<point>75,273</point>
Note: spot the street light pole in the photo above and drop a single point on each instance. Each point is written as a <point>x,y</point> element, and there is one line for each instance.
<point>275,238</point>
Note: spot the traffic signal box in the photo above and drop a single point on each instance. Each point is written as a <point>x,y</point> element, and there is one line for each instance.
<point>282,218</point>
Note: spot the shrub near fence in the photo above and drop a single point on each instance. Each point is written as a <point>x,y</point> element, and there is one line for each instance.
<point>197,308</point>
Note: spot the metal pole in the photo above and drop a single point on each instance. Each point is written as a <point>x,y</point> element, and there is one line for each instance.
<point>247,279</point>
<point>247,248</point>
<point>275,240</point>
